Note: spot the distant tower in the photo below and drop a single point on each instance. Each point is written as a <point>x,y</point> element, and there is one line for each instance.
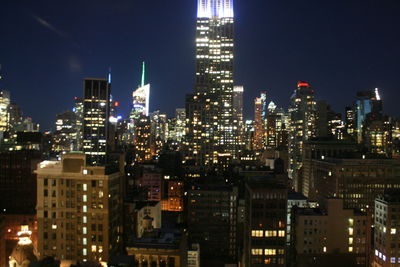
<point>212,130</point>
<point>260,110</point>
<point>96,113</point>
<point>367,102</point>
<point>141,98</point>
<point>302,113</point>
<point>4,105</point>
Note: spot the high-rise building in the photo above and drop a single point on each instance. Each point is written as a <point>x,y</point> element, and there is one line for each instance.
<point>238,112</point>
<point>367,102</point>
<point>176,126</point>
<point>4,112</point>
<point>302,116</point>
<point>159,131</point>
<point>260,111</point>
<point>249,134</point>
<point>141,98</point>
<point>212,211</point>
<point>78,210</point>
<point>142,138</point>
<point>78,110</point>
<point>15,117</point>
<point>349,122</point>
<point>332,237</point>
<point>96,113</point>
<point>212,127</point>
<point>18,181</point>
<point>265,223</point>
<point>65,136</point>
<point>4,105</point>
<point>276,129</point>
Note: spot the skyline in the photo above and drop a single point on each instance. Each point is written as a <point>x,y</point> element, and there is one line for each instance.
<point>282,52</point>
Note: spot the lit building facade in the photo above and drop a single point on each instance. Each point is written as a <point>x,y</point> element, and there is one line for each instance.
<point>367,102</point>
<point>277,125</point>
<point>78,110</point>
<point>212,128</point>
<point>65,136</point>
<point>357,181</point>
<point>78,210</point>
<point>302,117</point>
<point>4,112</point>
<point>142,138</point>
<point>265,223</point>
<point>176,126</point>
<point>260,111</point>
<point>332,237</point>
<point>96,113</point>
<point>387,230</point>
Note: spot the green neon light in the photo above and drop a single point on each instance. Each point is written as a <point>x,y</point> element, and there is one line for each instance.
<point>143,73</point>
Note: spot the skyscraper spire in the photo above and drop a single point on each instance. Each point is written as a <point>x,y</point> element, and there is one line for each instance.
<point>109,75</point>
<point>143,74</point>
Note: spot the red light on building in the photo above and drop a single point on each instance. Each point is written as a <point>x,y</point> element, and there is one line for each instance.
<point>116,104</point>
<point>303,84</point>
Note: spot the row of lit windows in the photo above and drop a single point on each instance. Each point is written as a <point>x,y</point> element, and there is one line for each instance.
<point>268,252</point>
<point>268,233</point>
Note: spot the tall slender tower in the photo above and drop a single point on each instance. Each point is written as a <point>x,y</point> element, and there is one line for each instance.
<point>4,106</point>
<point>302,116</point>
<point>96,113</point>
<point>212,128</point>
<point>141,98</point>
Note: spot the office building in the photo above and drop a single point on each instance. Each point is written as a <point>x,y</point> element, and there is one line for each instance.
<point>265,222</point>
<point>18,181</point>
<point>66,134</point>
<point>277,126</point>
<point>212,216</point>
<point>176,127</point>
<point>96,113</point>
<point>302,117</point>
<point>260,112</point>
<point>367,102</point>
<point>78,110</point>
<point>212,127</point>
<point>358,181</point>
<point>332,237</point>
<point>78,210</point>
<point>4,110</point>
<point>142,139</point>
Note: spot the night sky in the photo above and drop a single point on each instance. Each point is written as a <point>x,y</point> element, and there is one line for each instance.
<point>339,46</point>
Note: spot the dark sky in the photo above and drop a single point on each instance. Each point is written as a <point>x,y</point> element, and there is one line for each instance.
<point>339,46</point>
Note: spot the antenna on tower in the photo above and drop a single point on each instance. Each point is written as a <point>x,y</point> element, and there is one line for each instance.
<point>143,74</point>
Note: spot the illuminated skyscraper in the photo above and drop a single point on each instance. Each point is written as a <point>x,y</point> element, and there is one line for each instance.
<point>212,127</point>
<point>302,114</point>
<point>141,98</point>
<point>260,107</point>
<point>367,102</point>
<point>4,104</point>
<point>96,113</point>
<point>4,114</point>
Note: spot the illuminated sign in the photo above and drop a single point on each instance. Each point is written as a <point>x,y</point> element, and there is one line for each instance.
<point>303,84</point>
